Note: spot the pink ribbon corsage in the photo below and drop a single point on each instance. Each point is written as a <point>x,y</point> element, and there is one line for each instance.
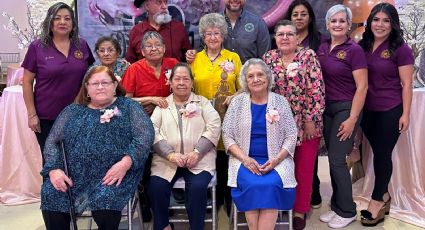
<point>108,114</point>
<point>272,116</point>
<point>190,110</point>
<point>227,66</point>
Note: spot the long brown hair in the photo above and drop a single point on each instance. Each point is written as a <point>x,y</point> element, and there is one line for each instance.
<point>83,98</point>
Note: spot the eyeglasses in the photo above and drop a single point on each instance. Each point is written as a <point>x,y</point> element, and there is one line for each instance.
<point>289,35</point>
<point>151,46</point>
<point>106,51</point>
<point>104,84</point>
<point>211,34</point>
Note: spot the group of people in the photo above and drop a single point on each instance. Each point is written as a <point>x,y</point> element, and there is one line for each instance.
<point>154,115</point>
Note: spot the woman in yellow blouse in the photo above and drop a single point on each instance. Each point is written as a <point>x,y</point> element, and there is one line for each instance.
<point>207,69</point>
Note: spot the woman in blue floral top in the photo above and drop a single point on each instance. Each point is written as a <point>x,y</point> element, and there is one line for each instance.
<point>108,50</point>
<point>298,77</point>
<point>107,139</point>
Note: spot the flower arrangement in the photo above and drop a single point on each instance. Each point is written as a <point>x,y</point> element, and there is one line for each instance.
<point>272,116</point>
<point>36,11</point>
<point>412,22</point>
<point>292,69</point>
<point>108,114</point>
<point>190,110</point>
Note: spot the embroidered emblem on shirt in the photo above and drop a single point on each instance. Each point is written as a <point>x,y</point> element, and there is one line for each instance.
<point>78,54</point>
<point>49,57</point>
<point>341,55</point>
<point>249,27</point>
<point>385,54</point>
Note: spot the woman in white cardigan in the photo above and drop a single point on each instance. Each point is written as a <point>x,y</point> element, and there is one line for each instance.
<point>260,135</point>
<point>186,136</point>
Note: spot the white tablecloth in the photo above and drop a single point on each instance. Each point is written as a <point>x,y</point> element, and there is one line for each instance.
<point>20,156</point>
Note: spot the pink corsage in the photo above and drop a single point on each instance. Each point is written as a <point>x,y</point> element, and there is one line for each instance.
<point>108,114</point>
<point>272,116</point>
<point>190,110</point>
<point>292,69</point>
<point>167,76</point>
<point>227,66</point>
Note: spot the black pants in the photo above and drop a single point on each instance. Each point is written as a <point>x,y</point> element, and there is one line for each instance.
<point>45,126</point>
<point>381,130</point>
<point>105,219</point>
<point>342,196</point>
<point>195,197</point>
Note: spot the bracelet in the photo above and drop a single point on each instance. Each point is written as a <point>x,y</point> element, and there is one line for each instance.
<point>32,115</point>
<point>196,151</point>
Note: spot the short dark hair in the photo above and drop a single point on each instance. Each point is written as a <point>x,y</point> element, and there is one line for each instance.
<point>112,40</point>
<point>82,97</point>
<point>184,65</point>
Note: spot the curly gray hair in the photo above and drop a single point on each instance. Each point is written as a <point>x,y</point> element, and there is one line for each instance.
<point>213,20</point>
<point>244,71</point>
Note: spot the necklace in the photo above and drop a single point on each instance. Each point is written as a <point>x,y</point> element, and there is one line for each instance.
<point>215,58</point>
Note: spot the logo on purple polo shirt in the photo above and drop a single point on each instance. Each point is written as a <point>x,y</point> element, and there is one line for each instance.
<point>249,27</point>
<point>341,55</point>
<point>385,54</point>
<point>78,54</point>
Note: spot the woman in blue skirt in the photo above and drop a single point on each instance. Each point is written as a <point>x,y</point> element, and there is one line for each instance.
<point>260,135</point>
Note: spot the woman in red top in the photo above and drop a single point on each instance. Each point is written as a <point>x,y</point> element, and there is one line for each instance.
<point>145,80</point>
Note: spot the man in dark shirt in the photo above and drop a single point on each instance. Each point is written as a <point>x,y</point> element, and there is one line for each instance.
<point>173,32</point>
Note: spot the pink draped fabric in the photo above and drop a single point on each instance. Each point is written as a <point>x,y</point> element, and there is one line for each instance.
<point>20,156</point>
<point>407,185</point>
<point>15,74</point>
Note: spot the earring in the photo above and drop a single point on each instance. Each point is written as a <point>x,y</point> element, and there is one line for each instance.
<point>88,96</point>
<point>115,93</point>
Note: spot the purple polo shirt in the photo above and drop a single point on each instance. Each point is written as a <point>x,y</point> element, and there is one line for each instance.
<point>385,90</point>
<point>57,78</point>
<point>337,69</point>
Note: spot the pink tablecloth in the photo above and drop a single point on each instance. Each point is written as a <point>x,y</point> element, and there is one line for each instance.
<point>15,74</point>
<point>20,156</point>
<point>407,186</point>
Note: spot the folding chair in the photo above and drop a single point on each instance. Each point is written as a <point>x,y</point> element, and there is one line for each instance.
<point>213,220</point>
<point>233,220</point>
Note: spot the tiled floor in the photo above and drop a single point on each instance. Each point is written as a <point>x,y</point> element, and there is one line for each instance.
<point>28,217</point>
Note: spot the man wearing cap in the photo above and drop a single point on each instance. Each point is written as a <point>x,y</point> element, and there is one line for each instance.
<point>175,36</point>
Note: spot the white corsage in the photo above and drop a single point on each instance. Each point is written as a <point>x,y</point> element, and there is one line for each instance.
<point>190,110</point>
<point>108,114</point>
<point>272,116</point>
<point>292,69</point>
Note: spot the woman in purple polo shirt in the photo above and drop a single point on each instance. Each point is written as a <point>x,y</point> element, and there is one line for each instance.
<point>387,107</point>
<point>57,61</point>
<point>344,71</point>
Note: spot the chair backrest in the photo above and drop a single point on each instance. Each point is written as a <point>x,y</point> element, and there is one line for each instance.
<point>8,58</point>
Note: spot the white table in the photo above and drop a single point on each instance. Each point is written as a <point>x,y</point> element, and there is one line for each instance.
<point>20,156</point>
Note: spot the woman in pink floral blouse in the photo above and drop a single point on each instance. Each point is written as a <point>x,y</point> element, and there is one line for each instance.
<point>298,77</point>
